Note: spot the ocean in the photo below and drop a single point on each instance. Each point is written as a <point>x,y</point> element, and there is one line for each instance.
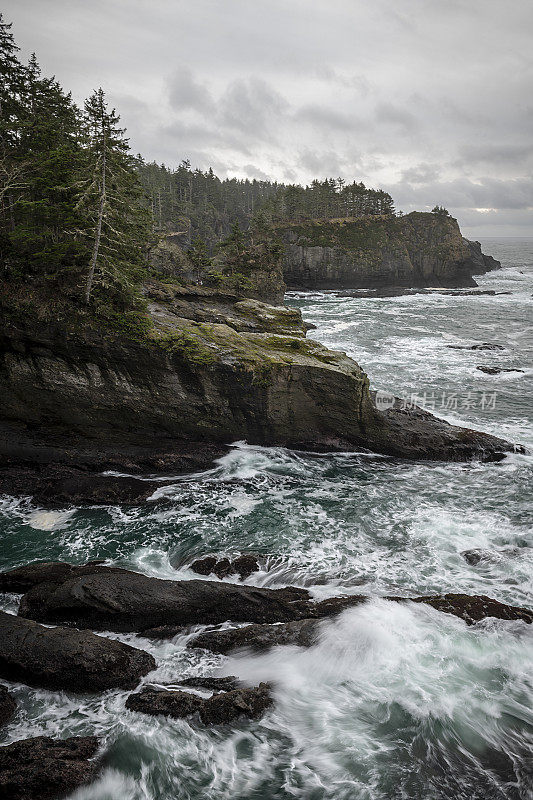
<point>394,701</point>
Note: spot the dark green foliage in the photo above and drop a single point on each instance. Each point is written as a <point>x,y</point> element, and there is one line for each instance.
<point>198,204</point>
<point>440,211</point>
<point>199,257</point>
<point>116,225</point>
<point>328,199</point>
<point>51,187</point>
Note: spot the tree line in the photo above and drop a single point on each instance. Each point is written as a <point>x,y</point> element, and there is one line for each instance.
<point>72,208</point>
<point>79,211</point>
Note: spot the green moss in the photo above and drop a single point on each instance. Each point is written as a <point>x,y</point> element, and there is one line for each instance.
<point>187,346</point>
<point>136,325</point>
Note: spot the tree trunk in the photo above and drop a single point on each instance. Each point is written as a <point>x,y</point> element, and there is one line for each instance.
<point>96,247</point>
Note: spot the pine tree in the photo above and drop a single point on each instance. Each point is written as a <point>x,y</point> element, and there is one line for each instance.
<point>117,217</point>
<point>199,257</point>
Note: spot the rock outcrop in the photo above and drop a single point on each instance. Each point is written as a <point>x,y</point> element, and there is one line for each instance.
<point>257,637</point>
<point>20,579</point>
<point>62,658</point>
<point>128,601</point>
<point>79,396</point>
<point>46,769</point>
<point>221,708</point>
<point>243,566</point>
<point>417,250</point>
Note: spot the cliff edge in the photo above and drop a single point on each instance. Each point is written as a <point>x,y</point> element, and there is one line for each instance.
<point>420,249</point>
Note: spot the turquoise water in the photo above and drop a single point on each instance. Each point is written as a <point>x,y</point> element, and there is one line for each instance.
<point>393,701</point>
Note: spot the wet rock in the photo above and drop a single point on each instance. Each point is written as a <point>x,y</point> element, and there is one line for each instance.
<point>215,684</point>
<point>413,432</point>
<point>60,486</point>
<point>473,608</point>
<point>221,708</point>
<point>257,637</point>
<point>243,566</point>
<point>478,556</point>
<point>62,658</point>
<point>20,579</point>
<point>128,601</point>
<point>227,706</point>
<point>168,702</point>
<point>497,370</point>
<point>475,557</point>
<point>204,566</point>
<point>482,346</point>
<point>8,706</point>
<point>162,632</point>
<point>46,769</point>
<point>223,568</point>
<point>335,605</point>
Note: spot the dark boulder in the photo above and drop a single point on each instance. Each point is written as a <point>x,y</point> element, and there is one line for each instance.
<point>224,707</point>
<point>473,608</point>
<point>257,637</point>
<point>496,370</point>
<point>168,702</point>
<point>243,566</point>
<point>128,601</point>
<point>60,485</point>
<point>62,658</point>
<point>46,769</point>
<point>221,708</point>
<point>8,706</point>
<point>204,566</point>
<point>20,579</point>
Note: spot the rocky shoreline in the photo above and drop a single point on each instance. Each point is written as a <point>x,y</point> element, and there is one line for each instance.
<point>80,599</point>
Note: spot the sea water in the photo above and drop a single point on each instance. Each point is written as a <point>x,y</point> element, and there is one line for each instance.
<point>393,701</point>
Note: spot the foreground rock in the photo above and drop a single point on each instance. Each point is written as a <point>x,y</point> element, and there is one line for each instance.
<point>257,637</point>
<point>62,658</point>
<point>221,708</point>
<point>304,633</point>
<point>8,706</point>
<point>128,601</point>
<point>243,566</point>
<point>20,579</point>
<point>473,608</point>
<point>46,769</point>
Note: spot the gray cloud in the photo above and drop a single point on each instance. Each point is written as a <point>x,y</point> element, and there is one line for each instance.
<point>185,91</point>
<point>430,100</point>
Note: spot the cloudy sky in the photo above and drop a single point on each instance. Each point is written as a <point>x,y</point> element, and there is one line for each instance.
<point>429,99</point>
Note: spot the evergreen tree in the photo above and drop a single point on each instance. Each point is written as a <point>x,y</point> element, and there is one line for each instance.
<point>117,222</point>
<point>199,257</point>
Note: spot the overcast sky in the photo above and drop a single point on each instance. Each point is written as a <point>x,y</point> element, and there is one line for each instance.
<point>429,99</point>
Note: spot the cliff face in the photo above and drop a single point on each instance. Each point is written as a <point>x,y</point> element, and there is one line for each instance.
<point>206,367</point>
<point>417,250</point>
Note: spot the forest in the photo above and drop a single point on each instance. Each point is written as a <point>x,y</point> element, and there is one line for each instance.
<point>80,211</point>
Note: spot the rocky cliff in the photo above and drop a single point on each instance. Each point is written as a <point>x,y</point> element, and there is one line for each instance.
<point>201,369</point>
<point>417,250</point>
